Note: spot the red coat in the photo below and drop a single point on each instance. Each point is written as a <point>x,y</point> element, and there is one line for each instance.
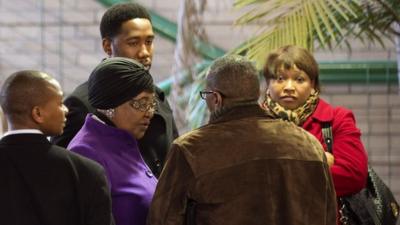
<point>349,171</point>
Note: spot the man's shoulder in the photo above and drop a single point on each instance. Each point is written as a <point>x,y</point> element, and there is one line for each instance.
<point>200,135</point>
<point>299,139</point>
<point>189,138</point>
<point>287,129</point>
<point>278,131</point>
<point>290,138</point>
<point>78,162</point>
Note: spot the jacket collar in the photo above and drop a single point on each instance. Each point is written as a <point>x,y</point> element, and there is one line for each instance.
<point>323,112</point>
<point>106,130</point>
<point>239,112</point>
<point>25,139</point>
<point>23,131</point>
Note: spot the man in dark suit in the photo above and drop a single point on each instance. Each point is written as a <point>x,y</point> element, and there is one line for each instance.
<point>42,183</point>
<point>126,31</point>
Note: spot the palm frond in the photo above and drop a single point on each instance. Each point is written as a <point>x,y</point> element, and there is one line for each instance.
<point>306,23</point>
<point>239,4</point>
<point>295,22</point>
<point>197,110</point>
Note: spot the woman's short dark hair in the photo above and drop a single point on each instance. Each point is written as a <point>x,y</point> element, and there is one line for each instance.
<point>288,56</point>
<point>115,16</point>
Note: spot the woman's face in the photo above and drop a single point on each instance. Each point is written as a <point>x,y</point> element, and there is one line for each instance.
<point>134,115</point>
<point>291,88</point>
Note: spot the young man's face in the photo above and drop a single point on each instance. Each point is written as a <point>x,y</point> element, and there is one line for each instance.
<point>53,112</point>
<point>135,41</point>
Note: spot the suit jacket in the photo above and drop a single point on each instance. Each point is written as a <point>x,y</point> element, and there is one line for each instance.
<point>45,184</point>
<point>153,146</point>
<point>245,168</point>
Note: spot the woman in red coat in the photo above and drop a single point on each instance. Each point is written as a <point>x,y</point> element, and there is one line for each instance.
<point>292,93</point>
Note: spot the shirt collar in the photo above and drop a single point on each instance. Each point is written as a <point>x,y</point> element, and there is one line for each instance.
<point>22,131</point>
<point>239,111</point>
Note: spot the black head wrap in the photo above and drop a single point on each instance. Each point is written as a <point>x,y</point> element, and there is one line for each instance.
<point>116,80</point>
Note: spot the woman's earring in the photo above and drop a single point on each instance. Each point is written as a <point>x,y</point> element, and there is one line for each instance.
<point>109,113</point>
<point>267,93</point>
<point>313,91</point>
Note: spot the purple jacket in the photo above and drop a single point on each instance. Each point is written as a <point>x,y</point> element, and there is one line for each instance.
<point>131,181</point>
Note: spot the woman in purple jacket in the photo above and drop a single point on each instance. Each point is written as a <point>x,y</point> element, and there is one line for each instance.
<point>122,91</point>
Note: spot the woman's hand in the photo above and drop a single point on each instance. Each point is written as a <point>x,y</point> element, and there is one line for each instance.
<point>330,158</point>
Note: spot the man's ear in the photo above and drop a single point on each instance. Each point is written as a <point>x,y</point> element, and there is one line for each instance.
<point>37,114</point>
<point>219,99</point>
<point>107,46</point>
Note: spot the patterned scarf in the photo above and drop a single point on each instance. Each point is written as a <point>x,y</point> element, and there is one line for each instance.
<point>298,115</point>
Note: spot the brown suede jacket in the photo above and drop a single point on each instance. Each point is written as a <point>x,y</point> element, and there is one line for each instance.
<point>245,168</point>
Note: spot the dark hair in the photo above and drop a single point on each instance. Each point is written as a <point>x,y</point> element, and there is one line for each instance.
<point>115,16</point>
<point>288,56</point>
<point>235,77</point>
<point>23,90</point>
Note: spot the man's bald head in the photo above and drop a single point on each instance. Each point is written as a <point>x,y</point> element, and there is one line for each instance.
<point>235,77</point>
<point>22,91</point>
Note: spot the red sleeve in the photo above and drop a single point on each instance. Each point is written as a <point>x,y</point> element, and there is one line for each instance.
<point>349,171</point>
